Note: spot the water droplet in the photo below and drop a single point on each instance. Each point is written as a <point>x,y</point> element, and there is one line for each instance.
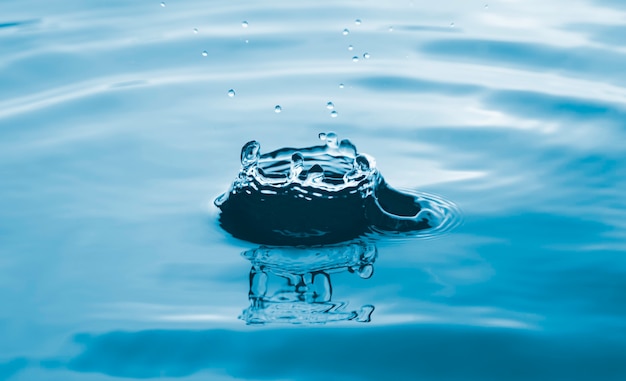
<point>341,85</point>
<point>350,47</point>
<point>357,21</point>
<point>322,136</point>
<point>247,41</point>
<point>486,6</point>
<point>278,109</point>
<point>244,24</point>
<point>355,59</point>
<point>250,153</point>
<point>163,4</point>
<point>333,114</point>
<point>205,53</point>
<point>331,140</point>
<point>195,30</point>
<point>366,56</point>
<point>346,32</point>
<point>231,93</point>
<point>391,28</point>
<point>451,25</point>
<point>330,105</point>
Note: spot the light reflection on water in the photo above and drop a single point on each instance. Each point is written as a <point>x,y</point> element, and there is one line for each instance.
<point>116,134</point>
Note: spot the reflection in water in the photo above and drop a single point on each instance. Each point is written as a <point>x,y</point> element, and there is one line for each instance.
<point>304,293</point>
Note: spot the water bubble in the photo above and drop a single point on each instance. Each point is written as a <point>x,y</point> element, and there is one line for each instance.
<point>205,53</point>
<point>250,153</point>
<point>355,59</point>
<point>195,30</point>
<point>244,24</point>
<point>231,93</point>
<point>366,56</point>
<point>350,47</point>
<point>333,114</point>
<point>341,85</point>
<point>346,32</point>
<point>278,109</point>
<point>163,4</point>
<point>330,105</point>
<point>357,21</point>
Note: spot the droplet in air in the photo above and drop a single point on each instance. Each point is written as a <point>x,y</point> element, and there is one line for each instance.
<point>366,56</point>
<point>486,6</point>
<point>345,32</point>
<point>250,153</point>
<point>163,4</point>
<point>341,85</point>
<point>244,24</point>
<point>231,93</point>
<point>278,109</point>
<point>247,41</point>
<point>355,59</point>
<point>350,47</point>
<point>333,114</point>
<point>330,105</point>
<point>451,25</point>
<point>357,21</point>
<point>205,53</point>
<point>391,28</point>
<point>195,30</point>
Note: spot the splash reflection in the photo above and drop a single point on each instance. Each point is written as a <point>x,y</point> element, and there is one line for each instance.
<point>303,294</point>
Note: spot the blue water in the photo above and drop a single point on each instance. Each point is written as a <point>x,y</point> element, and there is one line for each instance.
<point>117,133</point>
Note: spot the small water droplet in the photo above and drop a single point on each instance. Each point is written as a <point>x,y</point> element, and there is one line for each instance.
<point>322,136</point>
<point>486,6</point>
<point>231,93</point>
<point>333,114</point>
<point>330,105</point>
<point>247,41</point>
<point>451,25</point>
<point>244,24</point>
<point>357,21</point>
<point>278,109</point>
<point>341,85</point>
<point>163,4</point>
<point>366,56</point>
<point>331,140</point>
<point>350,47</point>
<point>205,53</point>
<point>355,59</point>
<point>391,28</point>
<point>346,32</point>
<point>195,30</point>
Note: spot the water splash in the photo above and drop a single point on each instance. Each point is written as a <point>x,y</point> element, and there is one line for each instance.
<point>293,284</point>
<point>323,194</point>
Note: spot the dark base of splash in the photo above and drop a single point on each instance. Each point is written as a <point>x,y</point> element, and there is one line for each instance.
<point>285,220</point>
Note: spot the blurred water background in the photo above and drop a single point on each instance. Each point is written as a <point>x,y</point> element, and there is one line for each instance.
<point>117,131</point>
